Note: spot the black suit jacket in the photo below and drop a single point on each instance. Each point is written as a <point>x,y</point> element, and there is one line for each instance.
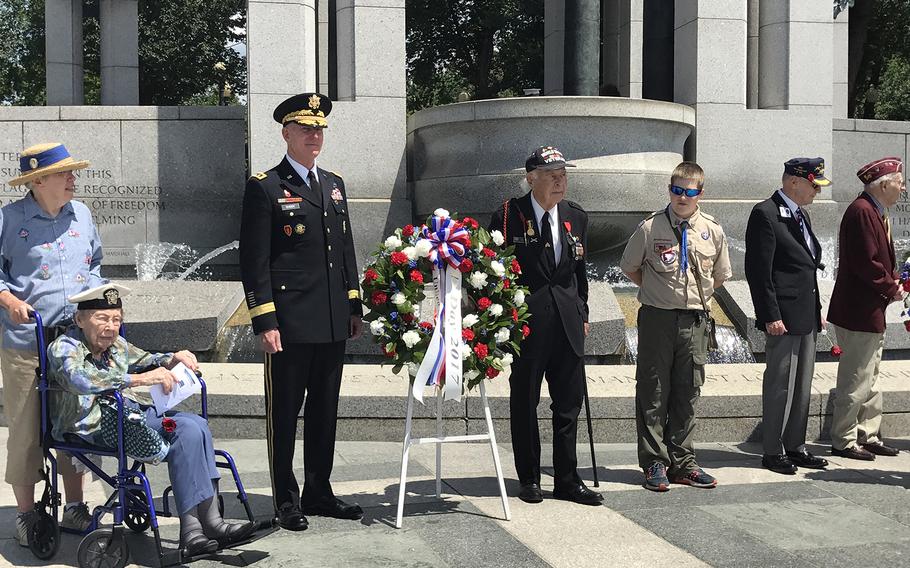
<point>780,269</point>
<point>297,256</point>
<point>566,288</point>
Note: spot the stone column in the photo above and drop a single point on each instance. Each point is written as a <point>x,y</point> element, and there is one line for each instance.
<point>631,34</point>
<point>119,52</point>
<point>554,43</point>
<point>841,51</point>
<point>281,61</point>
<point>63,51</point>
<point>752,26</point>
<point>657,51</point>
<point>609,54</point>
<point>582,52</point>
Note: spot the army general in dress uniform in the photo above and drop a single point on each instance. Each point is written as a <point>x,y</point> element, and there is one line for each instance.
<point>549,234</point>
<point>301,281</point>
<point>677,257</point>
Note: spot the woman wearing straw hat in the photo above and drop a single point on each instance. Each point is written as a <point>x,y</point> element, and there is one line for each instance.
<point>49,250</point>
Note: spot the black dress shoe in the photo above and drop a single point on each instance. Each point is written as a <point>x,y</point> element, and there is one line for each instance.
<point>881,449</point>
<point>290,518</point>
<point>530,493</point>
<point>198,544</point>
<point>335,508</point>
<point>578,493</point>
<point>853,453</point>
<point>804,458</point>
<point>228,534</point>
<point>779,464</point>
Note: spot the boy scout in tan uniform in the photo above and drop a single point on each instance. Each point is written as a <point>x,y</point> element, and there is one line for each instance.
<point>673,326</point>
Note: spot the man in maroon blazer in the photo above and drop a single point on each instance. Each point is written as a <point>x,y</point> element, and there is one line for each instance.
<point>866,284</point>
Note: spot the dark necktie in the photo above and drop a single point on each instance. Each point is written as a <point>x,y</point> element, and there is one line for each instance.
<point>546,234</point>
<point>683,247</point>
<point>803,228</point>
<point>314,182</point>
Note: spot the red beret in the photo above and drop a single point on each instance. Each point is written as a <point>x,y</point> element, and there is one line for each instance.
<point>874,170</point>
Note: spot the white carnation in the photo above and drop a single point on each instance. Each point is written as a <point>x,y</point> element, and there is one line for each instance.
<point>423,247</point>
<point>496,310</point>
<point>465,351</point>
<point>410,338</point>
<point>507,360</point>
<point>441,213</point>
<point>469,320</point>
<point>502,335</point>
<point>377,326</point>
<point>478,280</point>
<point>393,242</point>
<point>498,269</point>
<point>398,298</point>
<point>471,375</point>
<point>519,298</point>
<point>411,252</point>
<point>497,238</point>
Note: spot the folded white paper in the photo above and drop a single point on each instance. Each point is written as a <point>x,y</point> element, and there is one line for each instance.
<point>187,385</point>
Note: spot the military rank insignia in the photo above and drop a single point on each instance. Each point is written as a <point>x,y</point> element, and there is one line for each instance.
<point>287,193</point>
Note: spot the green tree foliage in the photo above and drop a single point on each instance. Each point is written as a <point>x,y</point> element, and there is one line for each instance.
<point>484,48</point>
<point>883,77</point>
<point>22,52</point>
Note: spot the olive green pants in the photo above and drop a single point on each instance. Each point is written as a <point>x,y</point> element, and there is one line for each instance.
<point>668,378</point>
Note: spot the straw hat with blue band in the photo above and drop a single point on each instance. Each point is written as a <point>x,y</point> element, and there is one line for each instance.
<point>45,159</point>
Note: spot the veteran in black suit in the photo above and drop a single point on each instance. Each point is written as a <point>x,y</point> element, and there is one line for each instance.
<point>782,259</point>
<point>301,282</point>
<point>549,234</point>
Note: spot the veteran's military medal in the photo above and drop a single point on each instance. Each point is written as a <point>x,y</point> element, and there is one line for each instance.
<point>300,229</point>
<point>530,229</point>
<point>288,230</point>
<point>577,248</point>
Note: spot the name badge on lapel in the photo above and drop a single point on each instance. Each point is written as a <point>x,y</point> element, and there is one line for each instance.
<point>289,206</point>
<point>785,212</point>
<point>519,240</point>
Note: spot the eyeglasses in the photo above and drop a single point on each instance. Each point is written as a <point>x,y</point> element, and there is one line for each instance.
<point>676,190</point>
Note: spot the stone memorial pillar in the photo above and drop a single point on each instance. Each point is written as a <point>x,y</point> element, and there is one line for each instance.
<point>119,52</point>
<point>63,51</point>
<point>554,43</point>
<point>840,52</point>
<point>582,50</point>
<point>631,33</point>
<point>657,51</point>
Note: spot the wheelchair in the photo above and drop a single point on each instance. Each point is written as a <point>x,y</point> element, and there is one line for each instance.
<point>131,502</point>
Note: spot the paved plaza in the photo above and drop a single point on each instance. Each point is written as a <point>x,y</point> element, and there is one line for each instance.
<point>854,514</point>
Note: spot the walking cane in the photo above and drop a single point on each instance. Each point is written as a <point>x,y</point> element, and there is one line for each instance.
<point>591,433</point>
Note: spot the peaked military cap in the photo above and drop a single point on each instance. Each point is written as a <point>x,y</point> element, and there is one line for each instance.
<point>308,109</point>
<point>104,297</point>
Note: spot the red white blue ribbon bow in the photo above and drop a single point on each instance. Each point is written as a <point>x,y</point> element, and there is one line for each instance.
<point>450,241</point>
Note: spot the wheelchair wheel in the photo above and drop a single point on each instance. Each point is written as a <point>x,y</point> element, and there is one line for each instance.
<point>137,521</point>
<point>103,548</point>
<point>44,536</point>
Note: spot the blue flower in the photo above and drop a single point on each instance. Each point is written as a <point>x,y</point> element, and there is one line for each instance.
<point>393,315</point>
<point>412,264</point>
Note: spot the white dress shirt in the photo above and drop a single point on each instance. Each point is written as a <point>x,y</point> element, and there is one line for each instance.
<point>302,170</point>
<point>554,225</point>
<point>793,208</point>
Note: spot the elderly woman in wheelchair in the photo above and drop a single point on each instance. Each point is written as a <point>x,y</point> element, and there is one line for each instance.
<point>90,359</point>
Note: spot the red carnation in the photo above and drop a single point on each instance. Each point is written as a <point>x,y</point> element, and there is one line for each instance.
<point>407,231</point>
<point>470,222</point>
<point>906,285</point>
<point>516,268</point>
<point>481,350</point>
<point>399,258</point>
<point>388,354</point>
<point>836,351</point>
<point>169,425</point>
<point>378,298</point>
<point>514,314</point>
<point>506,284</point>
<point>488,253</point>
<point>525,331</point>
<point>408,318</point>
<point>907,325</point>
<point>467,334</point>
<point>484,303</point>
<point>416,276</point>
<point>425,325</point>
<point>492,373</point>
<point>466,265</point>
<point>369,276</point>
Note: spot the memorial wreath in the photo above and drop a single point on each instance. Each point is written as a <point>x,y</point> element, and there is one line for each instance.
<point>480,317</point>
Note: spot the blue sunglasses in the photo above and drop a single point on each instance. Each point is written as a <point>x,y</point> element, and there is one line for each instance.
<point>676,190</point>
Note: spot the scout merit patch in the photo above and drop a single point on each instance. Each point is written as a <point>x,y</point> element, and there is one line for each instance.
<point>705,235</point>
<point>666,252</point>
